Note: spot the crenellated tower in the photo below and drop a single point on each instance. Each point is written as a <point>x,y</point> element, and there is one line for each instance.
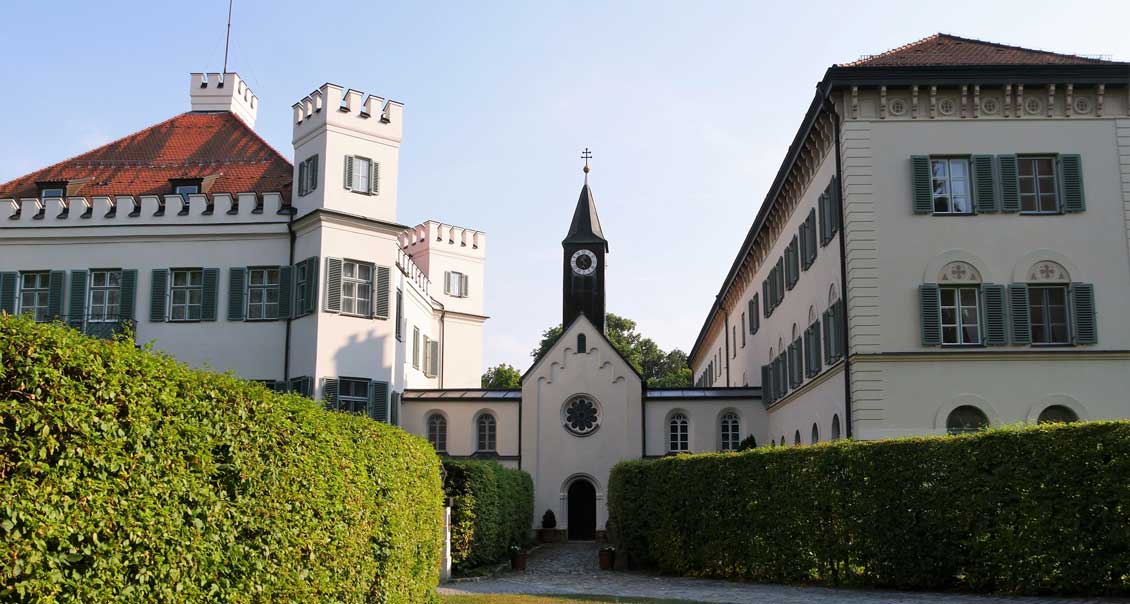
<point>346,153</point>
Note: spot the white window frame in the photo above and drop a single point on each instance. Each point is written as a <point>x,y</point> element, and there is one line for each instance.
<point>362,295</point>
<point>192,310</point>
<point>301,287</point>
<point>259,303</point>
<point>362,178</point>
<point>415,347</point>
<point>957,307</point>
<point>678,433</point>
<point>1037,192</point>
<point>730,431</point>
<point>1045,305</point>
<point>40,292</point>
<point>104,300</point>
<point>949,180</point>
<point>453,284</point>
<point>308,176</point>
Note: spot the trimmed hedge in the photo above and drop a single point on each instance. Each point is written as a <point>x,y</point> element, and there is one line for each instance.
<point>1034,510</point>
<point>491,509</point>
<point>126,476</point>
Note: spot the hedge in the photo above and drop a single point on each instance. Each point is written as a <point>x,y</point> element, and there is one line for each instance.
<point>1028,510</point>
<point>492,508</point>
<point>128,477</point>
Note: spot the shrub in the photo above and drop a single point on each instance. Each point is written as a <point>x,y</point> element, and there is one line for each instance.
<point>1034,510</point>
<point>126,476</point>
<point>491,510</point>
<point>549,520</point>
<point>747,443</point>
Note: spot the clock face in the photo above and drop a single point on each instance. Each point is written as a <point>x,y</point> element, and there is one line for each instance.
<point>583,262</point>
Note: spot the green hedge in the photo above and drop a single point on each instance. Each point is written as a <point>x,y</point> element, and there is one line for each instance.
<point>128,477</point>
<point>492,508</point>
<point>1035,510</point>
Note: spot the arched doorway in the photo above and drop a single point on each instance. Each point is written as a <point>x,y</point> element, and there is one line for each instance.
<point>582,510</point>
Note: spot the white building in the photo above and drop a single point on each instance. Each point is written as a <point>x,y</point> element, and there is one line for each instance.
<point>973,201</point>
<point>194,232</point>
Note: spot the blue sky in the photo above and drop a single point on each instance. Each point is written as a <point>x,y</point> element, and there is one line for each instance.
<point>687,106</point>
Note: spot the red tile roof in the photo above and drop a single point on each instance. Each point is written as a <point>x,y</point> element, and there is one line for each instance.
<point>214,146</point>
<point>945,49</point>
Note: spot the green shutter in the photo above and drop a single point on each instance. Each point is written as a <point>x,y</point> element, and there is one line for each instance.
<point>312,174</point>
<point>159,295</point>
<point>333,284</point>
<point>434,350</point>
<point>1010,182</point>
<point>984,187</point>
<point>766,387</point>
<point>1071,173</point>
<point>8,282</point>
<point>312,285</point>
<point>931,305</point>
<point>374,177</point>
<point>237,285</point>
<point>839,323</point>
<point>128,295</point>
<point>394,409</point>
<point>1085,327</point>
<point>399,314</point>
<point>993,300</point>
<point>816,346</point>
<point>329,393</point>
<point>923,187</point>
<point>1018,310</point>
<point>378,401</point>
<point>76,312</point>
<point>826,324</point>
<point>209,297</point>
<point>380,305</point>
<point>348,172</point>
<point>765,295</point>
<point>301,178</point>
<point>286,292</point>
<point>55,283</point>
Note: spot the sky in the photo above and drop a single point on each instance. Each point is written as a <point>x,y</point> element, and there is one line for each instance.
<point>688,108</point>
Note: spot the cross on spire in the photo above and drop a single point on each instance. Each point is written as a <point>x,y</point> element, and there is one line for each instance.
<point>586,155</point>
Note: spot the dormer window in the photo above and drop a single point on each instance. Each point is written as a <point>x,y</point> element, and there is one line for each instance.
<point>185,190</point>
<point>51,192</point>
<point>182,187</point>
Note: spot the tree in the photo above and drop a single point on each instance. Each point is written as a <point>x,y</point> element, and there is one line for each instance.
<point>659,369</point>
<point>502,377</point>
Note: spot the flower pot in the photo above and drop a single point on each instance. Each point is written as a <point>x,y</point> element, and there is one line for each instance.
<point>607,559</point>
<point>518,561</point>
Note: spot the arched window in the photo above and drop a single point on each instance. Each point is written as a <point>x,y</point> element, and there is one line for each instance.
<point>796,438</point>
<point>730,426</point>
<point>437,432</point>
<point>815,434</point>
<point>959,293</point>
<point>678,434</point>
<point>1048,309</point>
<point>836,427</point>
<point>582,343</point>
<point>1058,414</point>
<point>965,419</point>
<point>487,433</point>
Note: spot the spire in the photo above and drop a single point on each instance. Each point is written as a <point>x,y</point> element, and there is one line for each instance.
<point>585,228</point>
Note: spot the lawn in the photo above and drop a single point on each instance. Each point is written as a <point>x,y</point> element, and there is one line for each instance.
<point>550,599</point>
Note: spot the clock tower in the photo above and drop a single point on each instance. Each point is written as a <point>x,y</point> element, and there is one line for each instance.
<point>584,251</point>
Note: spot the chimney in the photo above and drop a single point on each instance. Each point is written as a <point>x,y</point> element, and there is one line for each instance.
<point>223,92</point>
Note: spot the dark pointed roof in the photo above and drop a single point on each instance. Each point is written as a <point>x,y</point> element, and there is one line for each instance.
<point>585,227</point>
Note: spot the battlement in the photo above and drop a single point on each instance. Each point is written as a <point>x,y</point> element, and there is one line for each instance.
<point>168,210</point>
<point>223,92</point>
<point>436,235</point>
<point>414,273</point>
<point>332,105</point>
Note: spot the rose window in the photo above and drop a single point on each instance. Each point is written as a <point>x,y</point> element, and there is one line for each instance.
<point>581,416</point>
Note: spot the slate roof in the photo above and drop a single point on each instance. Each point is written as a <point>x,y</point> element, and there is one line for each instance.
<point>585,227</point>
<point>217,147</point>
<point>950,50</point>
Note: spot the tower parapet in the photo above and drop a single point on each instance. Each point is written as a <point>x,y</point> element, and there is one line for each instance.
<point>223,92</point>
<point>441,250</point>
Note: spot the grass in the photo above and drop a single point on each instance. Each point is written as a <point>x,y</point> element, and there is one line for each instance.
<point>551,599</point>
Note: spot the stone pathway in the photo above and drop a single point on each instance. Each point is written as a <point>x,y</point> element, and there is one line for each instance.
<point>573,568</point>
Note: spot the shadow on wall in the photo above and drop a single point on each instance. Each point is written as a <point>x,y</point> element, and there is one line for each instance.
<point>363,356</point>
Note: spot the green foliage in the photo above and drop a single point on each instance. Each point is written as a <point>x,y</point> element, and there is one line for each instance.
<point>1034,510</point>
<point>491,510</point>
<point>502,377</point>
<point>659,369</point>
<point>747,443</point>
<point>128,477</point>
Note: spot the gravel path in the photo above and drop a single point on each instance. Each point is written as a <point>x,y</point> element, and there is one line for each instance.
<point>573,568</point>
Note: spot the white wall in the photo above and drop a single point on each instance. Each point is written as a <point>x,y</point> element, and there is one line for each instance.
<point>705,422</point>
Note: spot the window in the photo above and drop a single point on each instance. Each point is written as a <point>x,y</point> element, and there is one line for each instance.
<point>582,343</point>
<point>743,330</point>
<point>105,295</point>
<point>302,287</point>
<point>731,429</point>
<point>361,167</point>
<point>437,432</point>
<point>836,427</point>
<point>455,284</point>
<point>35,289</point>
<point>353,395</point>
<point>1058,414</point>
<point>1047,308</point>
<point>263,293</point>
<point>186,294</point>
<point>815,434</point>
<point>356,288</point>
<point>185,190</point>
<point>487,433</point>
<point>362,175</point>
<point>415,347</point>
<point>1038,185</point>
<point>308,175</point>
<point>678,433</point>
<point>965,419</point>
<point>960,321</point>
<point>951,190</point>
<point>50,192</point>
<point>754,317</point>
<point>734,340</point>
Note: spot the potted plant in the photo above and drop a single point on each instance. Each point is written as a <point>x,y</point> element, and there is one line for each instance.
<point>548,532</point>
<point>518,558</point>
<point>548,520</point>
<point>607,557</point>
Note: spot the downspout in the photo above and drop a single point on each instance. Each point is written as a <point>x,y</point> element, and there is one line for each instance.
<point>442,343</point>
<point>830,106</point>
<point>726,337</point>
<point>286,345</point>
